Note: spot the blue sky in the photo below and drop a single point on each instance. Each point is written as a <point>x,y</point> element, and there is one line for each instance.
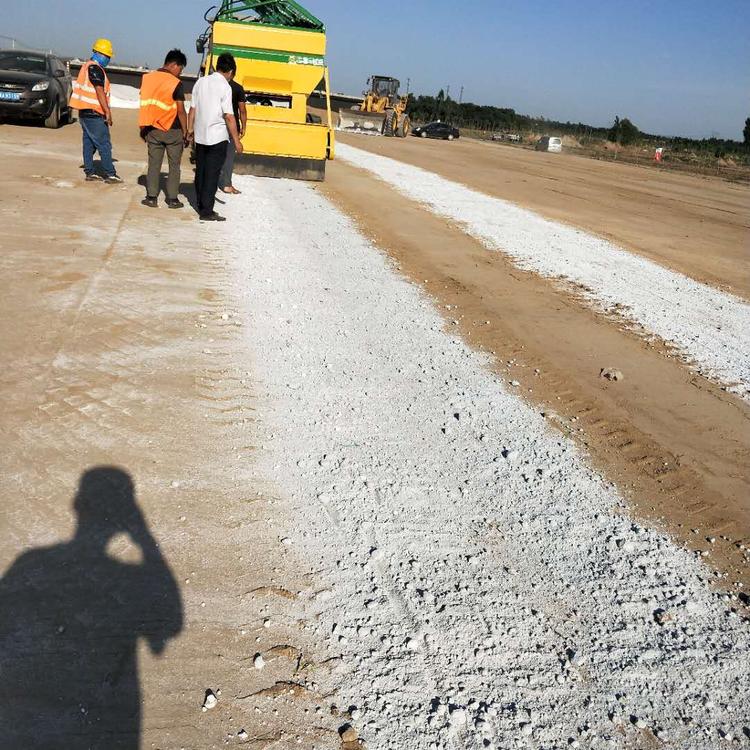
<point>672,66</point>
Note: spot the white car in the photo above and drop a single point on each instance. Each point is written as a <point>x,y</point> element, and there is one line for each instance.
<point>549,143</point>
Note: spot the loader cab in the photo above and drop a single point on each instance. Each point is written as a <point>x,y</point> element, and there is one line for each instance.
<point>383,86</point>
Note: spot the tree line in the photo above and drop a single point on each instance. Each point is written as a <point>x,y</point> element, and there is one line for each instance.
<point>486,117</point>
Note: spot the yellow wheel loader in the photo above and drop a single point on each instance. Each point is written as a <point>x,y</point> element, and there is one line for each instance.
<point>279,47</point>
<point>382,111</point>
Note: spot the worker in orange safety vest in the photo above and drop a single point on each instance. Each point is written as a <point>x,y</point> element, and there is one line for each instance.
<point>91,91</point>
<point>163,123</point>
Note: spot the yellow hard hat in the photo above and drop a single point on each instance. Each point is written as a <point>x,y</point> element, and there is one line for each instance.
<point>104,46</point>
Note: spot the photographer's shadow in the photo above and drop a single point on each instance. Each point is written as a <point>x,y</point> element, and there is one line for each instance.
<point>71,616</point>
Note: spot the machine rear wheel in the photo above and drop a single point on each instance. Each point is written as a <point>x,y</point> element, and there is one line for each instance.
<point>404,127</point>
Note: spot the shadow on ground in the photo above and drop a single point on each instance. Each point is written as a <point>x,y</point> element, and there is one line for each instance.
<point>187,191</point>
<point>71,617</point>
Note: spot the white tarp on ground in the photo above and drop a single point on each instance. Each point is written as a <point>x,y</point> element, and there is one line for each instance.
<point>709,327</point>
<point>472,582</point>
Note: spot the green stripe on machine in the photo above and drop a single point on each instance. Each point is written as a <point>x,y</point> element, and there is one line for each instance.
<point>282,13</point>
<point>270,55</point>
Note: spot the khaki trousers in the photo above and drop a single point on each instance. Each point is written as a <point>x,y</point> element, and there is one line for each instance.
<point>159,141</point>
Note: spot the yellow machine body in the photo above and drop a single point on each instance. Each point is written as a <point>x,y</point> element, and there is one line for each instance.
<point>278,68</point>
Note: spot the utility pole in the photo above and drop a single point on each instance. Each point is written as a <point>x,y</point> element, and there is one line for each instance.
<point>448,92</point>
<point>461,95</point>
<point>408,83</point>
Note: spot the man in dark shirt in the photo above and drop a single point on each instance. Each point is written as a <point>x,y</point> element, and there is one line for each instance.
<point>163,123</point>
<point>240,116</point>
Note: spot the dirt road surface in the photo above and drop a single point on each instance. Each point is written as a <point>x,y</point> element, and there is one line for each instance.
<point>122,343</point>
<point>698,226</point>
<point>261,459</point>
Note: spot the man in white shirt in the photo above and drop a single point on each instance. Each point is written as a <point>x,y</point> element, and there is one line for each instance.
<point>211,123</point>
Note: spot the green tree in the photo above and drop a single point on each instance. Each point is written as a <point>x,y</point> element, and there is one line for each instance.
<point>614,132</point>
<point>628,132</point>
<point>746,132</point>
<point>623,131</point>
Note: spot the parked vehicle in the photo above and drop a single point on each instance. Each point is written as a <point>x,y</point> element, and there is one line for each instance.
<point>437,130</point>
<point>512,137</point>
<point>549,143</point>
<point>35,85</point>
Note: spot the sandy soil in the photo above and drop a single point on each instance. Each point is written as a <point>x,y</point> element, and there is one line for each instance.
<point>124,351</point>
<point>698,226</point>
<point>678,443</point>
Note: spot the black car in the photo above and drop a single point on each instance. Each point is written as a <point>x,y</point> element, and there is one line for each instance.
<point>436,130</point>
<point>34,85</point>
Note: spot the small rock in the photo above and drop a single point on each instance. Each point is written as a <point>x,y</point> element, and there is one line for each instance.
<point>242,734</point>
<point>209,701</point>
<point>348,733</point>
<point>662,617</point>
<point>609,373</point>
<point>458,717</point>
<point>577,660</point>
<point>259,662</point>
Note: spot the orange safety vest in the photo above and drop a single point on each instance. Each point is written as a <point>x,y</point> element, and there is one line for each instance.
<point>84,94</point>
<point>158,108</point>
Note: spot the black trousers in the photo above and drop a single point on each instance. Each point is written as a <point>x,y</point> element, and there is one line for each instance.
<point>208,163</point>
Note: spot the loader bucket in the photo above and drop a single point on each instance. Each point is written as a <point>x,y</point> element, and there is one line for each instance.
<point>356,121</point>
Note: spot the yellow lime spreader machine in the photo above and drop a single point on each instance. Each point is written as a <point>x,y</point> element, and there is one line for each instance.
<point>280,49</point>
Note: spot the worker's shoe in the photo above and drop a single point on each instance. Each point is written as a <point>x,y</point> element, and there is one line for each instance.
<point>93,177</point>
<point>174,203</point>
<point>150,202</point>
<point>213,216</point>
<point>113,179</point>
